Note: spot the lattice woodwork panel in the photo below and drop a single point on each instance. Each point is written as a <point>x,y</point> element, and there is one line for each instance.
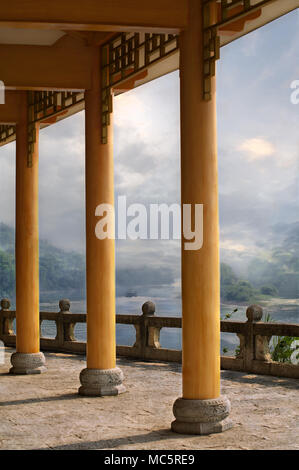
<point>43,105</point>
<point>229,11</point>
<point>126,55</point>
<point>6,132</point>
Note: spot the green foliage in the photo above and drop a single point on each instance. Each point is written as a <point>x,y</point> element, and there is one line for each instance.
<point>227,275</point>
<point>228,315</point>
<point>241,291</point>
<point>267,318</point>
<point>269,290</point>
<point>233,289</point>
<point>285,349</point>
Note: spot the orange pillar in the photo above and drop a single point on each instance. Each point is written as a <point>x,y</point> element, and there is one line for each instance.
<point>101,377</point>
<point>199,185</point>
<point>28,358</point>
<point>200,268</point>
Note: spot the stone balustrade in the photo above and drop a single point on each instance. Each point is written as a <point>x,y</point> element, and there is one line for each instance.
<point>253,353</point>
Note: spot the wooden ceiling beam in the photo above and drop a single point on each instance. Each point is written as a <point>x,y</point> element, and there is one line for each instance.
<point>10,110</point>
<point>168,16</point>
<point>65,66</point>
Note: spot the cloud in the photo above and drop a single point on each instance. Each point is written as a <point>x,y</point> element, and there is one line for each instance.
<point>129,108</point>
<point>231,245</point>
<point>61,183</point>
<point>128,179</point>
<point>257,148</point>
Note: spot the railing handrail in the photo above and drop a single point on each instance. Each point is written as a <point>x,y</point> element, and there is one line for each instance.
<point>227,326</point>
<point>254,335</point>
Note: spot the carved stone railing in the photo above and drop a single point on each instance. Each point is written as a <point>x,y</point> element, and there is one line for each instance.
<point>253,355</point>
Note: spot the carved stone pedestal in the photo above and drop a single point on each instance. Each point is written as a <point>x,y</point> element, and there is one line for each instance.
<point>23,364</point>
<point>201,416</point>
<point>99,383</point>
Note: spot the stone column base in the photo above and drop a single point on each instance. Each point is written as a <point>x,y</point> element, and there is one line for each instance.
<point>23,363</point>
<point>101,382</point>
<point>201,416</point>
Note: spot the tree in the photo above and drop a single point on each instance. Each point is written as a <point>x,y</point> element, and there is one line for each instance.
<point>241,291</point>
<point>269,290</point>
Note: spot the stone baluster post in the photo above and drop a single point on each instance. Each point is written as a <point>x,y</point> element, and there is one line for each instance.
<point>6,324</point>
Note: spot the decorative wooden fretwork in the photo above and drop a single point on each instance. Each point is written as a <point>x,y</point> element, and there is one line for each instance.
<point>43,105</point>
<point>228,12</point>
<point>6,133</point>
<point>124,57</point>
<point>107,99</point>
<point>31,127</point>
<point>211,49</point>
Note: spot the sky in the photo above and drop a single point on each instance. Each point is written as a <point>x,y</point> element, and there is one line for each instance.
<point>258,149</point>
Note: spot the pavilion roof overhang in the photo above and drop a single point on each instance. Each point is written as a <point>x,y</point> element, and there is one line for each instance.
<point>61,61</point>
<point>159,16</point>
<point>261,13</point>
<point>97,15</point>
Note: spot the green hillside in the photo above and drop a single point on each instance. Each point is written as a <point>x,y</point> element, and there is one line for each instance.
<point>60,271</point>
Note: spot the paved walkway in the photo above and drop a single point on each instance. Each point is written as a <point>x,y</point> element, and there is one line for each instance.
<point>45,411</point>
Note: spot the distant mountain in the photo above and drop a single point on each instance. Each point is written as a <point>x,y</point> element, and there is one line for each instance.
<point>281,266</point>
<point>61,272</point>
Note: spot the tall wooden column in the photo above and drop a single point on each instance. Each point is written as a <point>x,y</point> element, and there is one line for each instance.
<point>28,358</point>
<point>101,377</point>
<point>200,268</point>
